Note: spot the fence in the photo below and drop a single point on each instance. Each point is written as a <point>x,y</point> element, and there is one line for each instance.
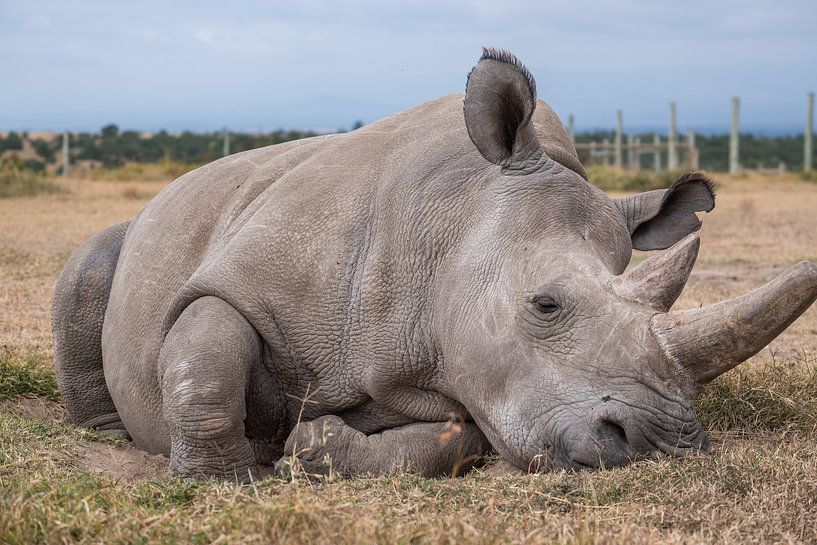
<point>675,151</point>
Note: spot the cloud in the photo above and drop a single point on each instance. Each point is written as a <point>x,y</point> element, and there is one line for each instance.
<point>256,63</point>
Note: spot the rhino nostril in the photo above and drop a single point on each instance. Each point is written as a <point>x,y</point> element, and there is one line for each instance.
<point>613,432</point>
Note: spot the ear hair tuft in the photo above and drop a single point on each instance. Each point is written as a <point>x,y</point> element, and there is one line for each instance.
<point>503,55</point>
<point>698,177</point>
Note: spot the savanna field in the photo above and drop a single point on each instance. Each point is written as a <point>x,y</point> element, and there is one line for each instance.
<point>59,484</point>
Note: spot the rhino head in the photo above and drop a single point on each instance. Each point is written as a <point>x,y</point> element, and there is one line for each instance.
<point>562,358</point>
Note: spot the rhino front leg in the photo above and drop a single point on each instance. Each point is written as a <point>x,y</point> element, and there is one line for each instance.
<point>204,366</point>
<point>429,449</point>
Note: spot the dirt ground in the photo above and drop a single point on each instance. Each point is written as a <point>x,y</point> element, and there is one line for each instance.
<point>760,227</point>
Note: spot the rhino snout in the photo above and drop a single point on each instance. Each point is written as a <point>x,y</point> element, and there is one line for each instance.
<point>624,434</point>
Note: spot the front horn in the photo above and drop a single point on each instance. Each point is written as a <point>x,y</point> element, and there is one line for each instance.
<point>709,341</point>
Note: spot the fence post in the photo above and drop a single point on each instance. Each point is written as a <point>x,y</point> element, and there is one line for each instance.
<point>605,144</point>
<point>808,149</point>
<point>694,155</point>
<point>619,157</point>
<point>656,154</point>
<point>66,154</point>
<point>571,129</point>
<point>734,138</point>
<point>672,149</point>
<point>226,143</point>
<point>632,157</point>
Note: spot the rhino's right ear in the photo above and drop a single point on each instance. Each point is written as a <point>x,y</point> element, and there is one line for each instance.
<point>500,97</point>
<point>658,219</point>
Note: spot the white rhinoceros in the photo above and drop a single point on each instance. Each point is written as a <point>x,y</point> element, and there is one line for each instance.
<point>343,297</point>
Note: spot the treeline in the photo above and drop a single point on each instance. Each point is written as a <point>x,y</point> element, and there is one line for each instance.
<point>113,148</point>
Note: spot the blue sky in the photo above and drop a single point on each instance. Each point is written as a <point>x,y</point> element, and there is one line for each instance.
<point>323,64</point>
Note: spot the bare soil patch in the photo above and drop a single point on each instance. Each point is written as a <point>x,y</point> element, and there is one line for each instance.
<point>35,409</point>
<point>122,461</point>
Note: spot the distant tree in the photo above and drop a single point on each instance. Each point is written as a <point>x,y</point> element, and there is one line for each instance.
<point>110,131</point>
<point>44,149</point>
<point>11,142</point>
<point>34,165</point>
<point>357,125</point>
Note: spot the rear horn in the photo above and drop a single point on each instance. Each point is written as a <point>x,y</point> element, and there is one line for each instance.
<point>658,281</point>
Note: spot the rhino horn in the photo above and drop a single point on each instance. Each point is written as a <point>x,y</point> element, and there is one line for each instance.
<point>658,281</point>
<point>706,342</point>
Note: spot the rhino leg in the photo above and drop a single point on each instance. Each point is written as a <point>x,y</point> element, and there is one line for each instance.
<point>429,449</point>
<point>78,312</point>
<point>204,367</point>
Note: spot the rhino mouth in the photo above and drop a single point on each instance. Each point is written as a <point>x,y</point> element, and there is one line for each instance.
<point>611,433</point>
<point>626,432</point>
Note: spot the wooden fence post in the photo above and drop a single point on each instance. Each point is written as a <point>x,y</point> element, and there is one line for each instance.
<point>656,154</point>
<point>694,156</point>
<point>672,151</point>
<point>619,153</point>
<point>66,154</point>
<point>808,149</point>
<point>734,138</point>
<point>571,129</point>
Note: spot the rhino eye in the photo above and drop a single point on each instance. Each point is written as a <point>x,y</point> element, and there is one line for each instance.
<point>545,305</point>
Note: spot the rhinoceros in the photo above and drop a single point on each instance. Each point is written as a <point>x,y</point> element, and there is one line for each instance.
<point>409,296</point>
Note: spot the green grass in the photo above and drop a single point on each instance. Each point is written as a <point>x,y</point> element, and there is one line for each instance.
<point>18,181</point>
<point>26,375</point>
<point>610,179</point>
<point>809,176</point>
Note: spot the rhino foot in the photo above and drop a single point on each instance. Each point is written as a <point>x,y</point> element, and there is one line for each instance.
<point>328,447</point>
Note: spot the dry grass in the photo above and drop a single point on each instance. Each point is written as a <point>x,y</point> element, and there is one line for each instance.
<point>615,179</point>
<point>17,181</point>
<point>63,485</point>
<point>143,172</point>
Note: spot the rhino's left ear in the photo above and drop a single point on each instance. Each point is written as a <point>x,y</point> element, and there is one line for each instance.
<point>658,219</point>
<point>500,97</point>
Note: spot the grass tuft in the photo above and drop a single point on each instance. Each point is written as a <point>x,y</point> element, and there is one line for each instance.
<point>771,397</point>
<point>26,375</point>
<point>18,181</point>
<point>611,179</point>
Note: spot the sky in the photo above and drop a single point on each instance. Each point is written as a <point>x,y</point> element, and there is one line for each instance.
<point>321,64</point>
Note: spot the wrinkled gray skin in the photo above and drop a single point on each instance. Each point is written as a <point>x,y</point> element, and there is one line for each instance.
<point>450,261</point>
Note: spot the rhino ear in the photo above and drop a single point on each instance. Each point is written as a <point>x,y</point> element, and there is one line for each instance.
<point>500,97</point>
<point>658,219</point>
